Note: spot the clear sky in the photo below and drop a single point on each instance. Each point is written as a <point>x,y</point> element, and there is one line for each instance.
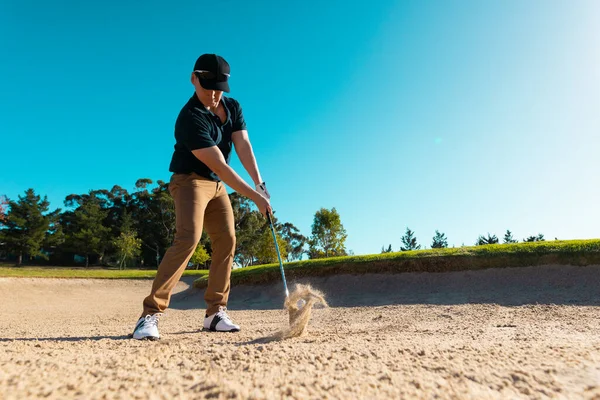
<point>464,116</point>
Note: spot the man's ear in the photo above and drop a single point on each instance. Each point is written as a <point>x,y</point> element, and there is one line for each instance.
<point>192,78</point>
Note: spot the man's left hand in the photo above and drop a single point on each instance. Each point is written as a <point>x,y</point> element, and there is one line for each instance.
<point>262,189</point>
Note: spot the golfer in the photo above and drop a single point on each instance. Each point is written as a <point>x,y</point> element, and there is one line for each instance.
<point>205,130</point>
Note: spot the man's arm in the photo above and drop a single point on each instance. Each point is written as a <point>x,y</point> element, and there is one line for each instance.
<point>243,148</point>
<point>213,159</point>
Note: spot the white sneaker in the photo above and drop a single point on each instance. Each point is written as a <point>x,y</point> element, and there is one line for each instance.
<point>220,322</point>
<point>147,328</point>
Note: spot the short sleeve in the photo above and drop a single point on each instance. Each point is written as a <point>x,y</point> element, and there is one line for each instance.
<point>197,135</point>
<point>239,124</point>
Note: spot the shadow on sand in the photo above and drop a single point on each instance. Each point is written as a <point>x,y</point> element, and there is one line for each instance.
<point>551,284</point>
<point>66,339</point>
<point>262,340</point>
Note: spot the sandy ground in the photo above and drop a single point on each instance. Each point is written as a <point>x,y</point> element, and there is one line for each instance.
<point>494,334</point>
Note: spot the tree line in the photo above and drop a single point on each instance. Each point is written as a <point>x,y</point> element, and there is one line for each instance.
<point>124,228</point>
<point>439,241</point>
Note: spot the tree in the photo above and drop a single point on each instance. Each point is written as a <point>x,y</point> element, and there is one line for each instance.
<point>508,237</point>
<point>409,241</point>
<point>384,250</point>
<point>26,225</point>
<point>3,207</point>
<point>439,241</point>
<point>200,256</point>
<point>266,253</point>
<point>538,238</point>
<point>127,223</point>
<point>328,235</point>
<point>128,247</point>
<point>55,237</point>
<point>119,209</point>
<point>294,241</point>
<point>490,239</point>
<point>142,183</point>
<point>154,214</point>
<point>90,236</point>
<point>249,225</point>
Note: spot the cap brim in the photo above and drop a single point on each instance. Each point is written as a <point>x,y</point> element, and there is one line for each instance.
<point>215,85</point>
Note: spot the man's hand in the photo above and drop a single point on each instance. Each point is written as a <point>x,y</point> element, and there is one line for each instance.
<point>213,158</point>
<point>262,189</point>
<point>263,204</point>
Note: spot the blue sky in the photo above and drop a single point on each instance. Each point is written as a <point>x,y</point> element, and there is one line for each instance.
<point>464,116</point>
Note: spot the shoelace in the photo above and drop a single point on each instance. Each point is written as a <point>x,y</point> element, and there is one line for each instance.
<point>223,315</point>
<point>152,320</point>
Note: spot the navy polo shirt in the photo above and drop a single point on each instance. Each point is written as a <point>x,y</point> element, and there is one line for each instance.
<point>197,128</point>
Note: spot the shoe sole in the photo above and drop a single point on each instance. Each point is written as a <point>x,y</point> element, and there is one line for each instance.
<point>150,338</point>
<point>214,330</point>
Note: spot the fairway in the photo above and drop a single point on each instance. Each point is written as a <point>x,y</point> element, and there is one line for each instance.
<point>530,332</point>
<point>81,273</point>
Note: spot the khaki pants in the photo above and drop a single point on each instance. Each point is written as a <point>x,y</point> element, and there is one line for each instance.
<point>199,203</point>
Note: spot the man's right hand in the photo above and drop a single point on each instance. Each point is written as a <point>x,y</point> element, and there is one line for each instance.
<point>213,159</point>
<point>263,204</point>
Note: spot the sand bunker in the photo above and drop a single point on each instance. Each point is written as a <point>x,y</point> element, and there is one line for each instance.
<point>515,333</point>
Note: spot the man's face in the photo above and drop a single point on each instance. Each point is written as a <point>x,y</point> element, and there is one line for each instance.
<point>210,98</point>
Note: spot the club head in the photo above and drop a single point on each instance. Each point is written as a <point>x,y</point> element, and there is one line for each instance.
<point>300,303</point>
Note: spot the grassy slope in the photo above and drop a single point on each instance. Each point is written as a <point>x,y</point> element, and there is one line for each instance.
<point>54,272</point>
<point>571,252</point>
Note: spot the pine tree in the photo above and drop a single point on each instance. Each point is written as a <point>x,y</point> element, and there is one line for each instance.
<point>3,206</point>
<point>26,226</point>
<point>439,241</point>
<point>538,238</point>
<point>490,239</point>
<point>384,250</point>
<point>508,237</point>
<point>91,236</point>
<point>409,241</point>
<point>55,236</point>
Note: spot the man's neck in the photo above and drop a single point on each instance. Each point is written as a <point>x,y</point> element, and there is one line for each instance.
<point>209,107</point>
<point>213,109</point>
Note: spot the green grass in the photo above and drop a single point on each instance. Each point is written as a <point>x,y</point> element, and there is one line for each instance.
<point>568,252</point>
<point>571,252</point>
<point>80,273</point>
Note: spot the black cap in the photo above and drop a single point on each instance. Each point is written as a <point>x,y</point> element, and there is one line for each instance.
<point>212,72</point>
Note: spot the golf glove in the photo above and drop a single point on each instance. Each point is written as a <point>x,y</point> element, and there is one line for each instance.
<point>262,189</point>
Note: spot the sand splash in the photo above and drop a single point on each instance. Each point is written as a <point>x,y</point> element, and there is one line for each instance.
<point>299,305</point>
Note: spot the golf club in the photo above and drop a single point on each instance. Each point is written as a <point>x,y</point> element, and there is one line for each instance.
<point>287,293</point>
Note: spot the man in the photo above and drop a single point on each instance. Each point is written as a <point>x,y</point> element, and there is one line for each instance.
<point>205,130</point>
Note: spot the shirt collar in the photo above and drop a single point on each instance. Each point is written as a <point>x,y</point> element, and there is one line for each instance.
<point>195,101</point>
<point>198,104</point>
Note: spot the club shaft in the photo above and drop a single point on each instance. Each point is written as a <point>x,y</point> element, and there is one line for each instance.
<point>287,293</point>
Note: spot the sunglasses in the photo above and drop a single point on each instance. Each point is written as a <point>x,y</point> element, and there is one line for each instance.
<point>200,74</point>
